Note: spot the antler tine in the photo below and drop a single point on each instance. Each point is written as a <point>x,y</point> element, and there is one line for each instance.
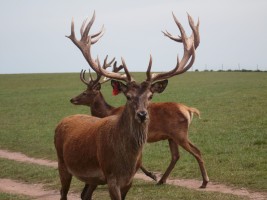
<point>166,75</point>
<point>90,76</point>
<point>148,74</point>
<point>98,35</point>
<point>102,30</point>
<point>82,77</point>
<point>106,65</point>
<point>82,27</point>
<point>176,39</point>
<point>72,33</point>
<point>195,30</point>
<point>115,69</point>
<point>87,28</point>
<point>115,75</point>
<point>181,28</point>
<point>189,43</point>
<point>98,77</point>
<point>129,78</point>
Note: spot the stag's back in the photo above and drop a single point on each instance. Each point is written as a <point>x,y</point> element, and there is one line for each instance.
<point>169,116</point>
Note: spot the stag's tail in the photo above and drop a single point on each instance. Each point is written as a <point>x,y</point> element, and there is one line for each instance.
<point>193,111</point>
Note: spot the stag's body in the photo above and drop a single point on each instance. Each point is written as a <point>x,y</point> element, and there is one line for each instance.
<point>168,121</point>
<point>85,145</point>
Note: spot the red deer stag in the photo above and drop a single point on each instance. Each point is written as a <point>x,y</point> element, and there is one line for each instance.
<point>108,150</point>
<point>160,126</point>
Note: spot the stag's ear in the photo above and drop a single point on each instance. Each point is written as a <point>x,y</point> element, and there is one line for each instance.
<point>118,87</point>
<point>159,86</point>
<point>97,86</point>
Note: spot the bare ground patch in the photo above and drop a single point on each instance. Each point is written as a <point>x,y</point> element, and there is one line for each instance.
<point>36,190</point>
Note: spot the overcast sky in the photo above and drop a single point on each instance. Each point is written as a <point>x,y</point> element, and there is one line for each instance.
<point>233,33</point>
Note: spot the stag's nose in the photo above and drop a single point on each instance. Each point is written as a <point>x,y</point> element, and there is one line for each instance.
<point>142,115</point>
<point>73,101</point>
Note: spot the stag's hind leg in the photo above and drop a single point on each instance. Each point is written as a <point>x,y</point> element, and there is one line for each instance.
<point>188,146</point>
<point>65,178</point>
<point>175,157</point>
<point>148,173</point>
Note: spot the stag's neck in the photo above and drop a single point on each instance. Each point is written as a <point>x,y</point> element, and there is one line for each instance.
<point>134,133</point>
<point>100,108</point>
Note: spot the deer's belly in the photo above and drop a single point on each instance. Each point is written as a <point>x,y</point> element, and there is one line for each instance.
<point>90,176</point>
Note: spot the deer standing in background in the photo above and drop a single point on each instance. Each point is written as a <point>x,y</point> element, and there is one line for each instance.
<point>168,120</point>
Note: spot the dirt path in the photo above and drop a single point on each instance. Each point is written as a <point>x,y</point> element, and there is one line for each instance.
<point>37,190</point>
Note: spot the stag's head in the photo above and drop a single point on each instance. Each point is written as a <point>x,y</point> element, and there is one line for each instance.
<point>93,86</point>
<point>92,91</point>
<point>138,95</point>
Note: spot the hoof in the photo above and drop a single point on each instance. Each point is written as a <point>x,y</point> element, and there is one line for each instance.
<point>160,182</point>
<point>204,185</point>
<point>154,177</point>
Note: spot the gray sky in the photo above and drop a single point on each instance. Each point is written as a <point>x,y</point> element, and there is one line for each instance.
<point>233,32</point>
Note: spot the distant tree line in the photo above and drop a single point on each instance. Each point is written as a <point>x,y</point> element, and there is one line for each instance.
<point>230,70</point>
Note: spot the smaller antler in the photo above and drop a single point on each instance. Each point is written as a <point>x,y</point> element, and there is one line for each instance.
<point>90,81</point>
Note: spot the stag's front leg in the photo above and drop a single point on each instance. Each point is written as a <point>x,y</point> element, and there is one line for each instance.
<point>88,192</point>
<point>113,188</point>
<point>125,190</point>
<point>175,157</point>
<point>65,178</point>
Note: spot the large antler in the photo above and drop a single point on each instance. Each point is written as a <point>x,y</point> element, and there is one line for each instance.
<point>84,44</point>
<point>190,45</point>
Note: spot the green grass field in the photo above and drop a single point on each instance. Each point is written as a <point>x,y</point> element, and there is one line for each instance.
<point>231,133</point>
<point>6,196</point>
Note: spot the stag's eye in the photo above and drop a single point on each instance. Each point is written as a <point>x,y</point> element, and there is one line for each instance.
<point>128,97</point>
<point>84,93</point>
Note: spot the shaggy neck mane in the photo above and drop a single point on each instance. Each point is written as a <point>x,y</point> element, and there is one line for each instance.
<point>133,131</point>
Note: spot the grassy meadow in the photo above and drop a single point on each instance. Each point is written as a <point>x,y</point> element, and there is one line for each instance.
<point>231,132</point>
